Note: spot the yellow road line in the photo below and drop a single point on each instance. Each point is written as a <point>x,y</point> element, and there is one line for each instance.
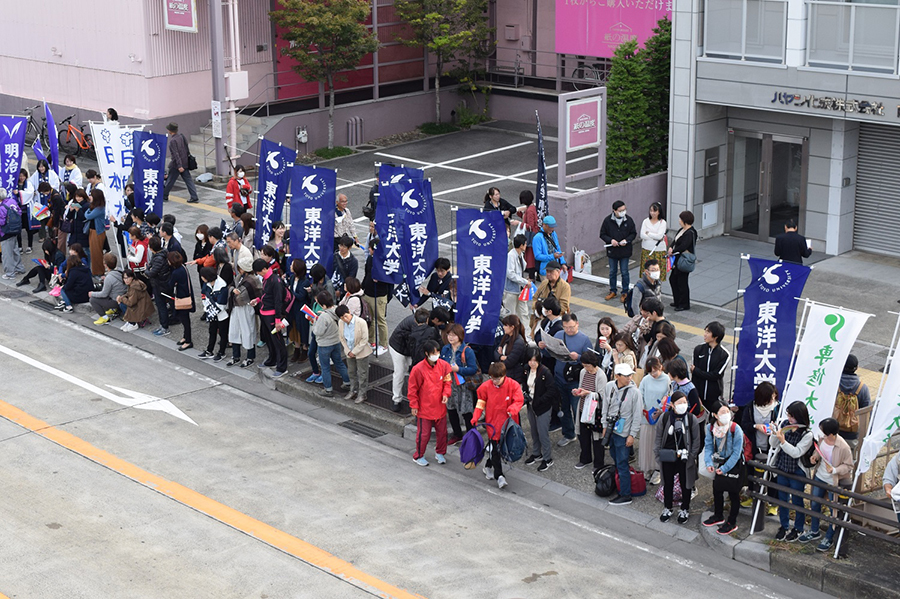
<point>310,554</point>
<point>872,378</point>
<point>216,209</point>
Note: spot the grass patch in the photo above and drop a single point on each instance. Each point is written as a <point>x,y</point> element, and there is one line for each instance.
<point>335,152</point>
<point>437,128</point>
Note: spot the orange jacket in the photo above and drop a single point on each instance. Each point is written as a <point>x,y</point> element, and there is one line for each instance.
<point>498,404</point>
<point>428,386</point>
<point>233,192</point>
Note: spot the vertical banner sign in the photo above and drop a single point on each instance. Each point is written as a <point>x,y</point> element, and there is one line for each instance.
<point>115,155</point>
<point>38,149</point>
<point>418,232</point>
<point>885,418</point>
<point>52,138</point>
<point>313,194</point>
<point>388,261</point>
<point>181,15</point>
<point>481,260</point>
<point>12,144</point>
<point>540,194</point>
<point>769,328</point>
<point>827,339</point>
<point>275,163</point>
<point>149,168</point>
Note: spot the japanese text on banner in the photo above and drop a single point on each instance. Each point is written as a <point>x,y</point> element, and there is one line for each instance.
<point>115,156</point>
<point>275,164</point>
<point>149,168</point>
<point>12,142</point>
<point>312,215</point>
<point>481,254</point>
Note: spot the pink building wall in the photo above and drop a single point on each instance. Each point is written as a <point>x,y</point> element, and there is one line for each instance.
<point>521,13</point>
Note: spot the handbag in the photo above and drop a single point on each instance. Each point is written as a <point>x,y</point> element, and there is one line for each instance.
<point>571,372</point>
<point>589,411</point>
<point>686,262</point>
<point>185,303</point>
<point>676,491</point>
<point>667,455</point>
<point>638,482</point>
<point>605,481</point>
<point>474,381</point>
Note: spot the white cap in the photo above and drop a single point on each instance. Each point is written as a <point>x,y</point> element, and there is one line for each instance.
<point>624,369</point>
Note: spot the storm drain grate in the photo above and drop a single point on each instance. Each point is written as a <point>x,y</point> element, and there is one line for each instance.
<point>43,305</point>
<point>361,429</point>
<point>13,293</point>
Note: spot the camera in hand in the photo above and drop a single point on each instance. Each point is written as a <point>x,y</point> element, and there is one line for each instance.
<point>718,460</point>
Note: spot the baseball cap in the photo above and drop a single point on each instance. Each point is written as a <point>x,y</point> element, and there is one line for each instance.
<point>552,265</point>
<point>549,221</point>
<point>624,369</point>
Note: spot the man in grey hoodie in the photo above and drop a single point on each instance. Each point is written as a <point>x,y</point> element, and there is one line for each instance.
<point>328,338</point>
<point>104,301</point>
<point>850,386</point>
<point>623,409</point>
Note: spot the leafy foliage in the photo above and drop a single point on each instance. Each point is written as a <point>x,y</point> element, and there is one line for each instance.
<point>326,37</point>
<point>437,128</point>
<point>657,54</point>
<point>335,152</point>
<point>627,136</point>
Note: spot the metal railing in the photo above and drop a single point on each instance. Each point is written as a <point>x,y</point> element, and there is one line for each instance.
<point>516,68</point>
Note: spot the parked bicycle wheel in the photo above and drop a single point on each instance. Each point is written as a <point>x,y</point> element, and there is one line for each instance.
<point>67,142</point>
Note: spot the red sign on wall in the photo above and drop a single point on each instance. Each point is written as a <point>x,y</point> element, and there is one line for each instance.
<point>181,15</point>
<point>583,124</point>
<point>596,27</point>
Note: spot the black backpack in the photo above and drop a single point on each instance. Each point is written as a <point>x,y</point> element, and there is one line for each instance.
<point>13,220</point>
<point>629,296</point>
<point>605,481</point>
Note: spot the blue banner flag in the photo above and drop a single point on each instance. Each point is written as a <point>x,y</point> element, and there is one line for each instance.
<point>313,195</point>
<point>540,194</point>
<point>12,144</point>
<point>52,138</point>
<point>769,328</point>
<point>38,149</point>
<point>481,259</point>
<point>149,170</point>
<point>275,164</point>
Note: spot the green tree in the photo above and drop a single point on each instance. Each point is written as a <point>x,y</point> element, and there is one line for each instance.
<point>450,30</point>
<point>326,37</point>
<point>657,54</point>
<point>628,141</point>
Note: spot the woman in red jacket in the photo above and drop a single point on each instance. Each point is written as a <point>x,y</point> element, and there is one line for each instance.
<point>499,398</point>
<point>428,392</point>
<point>239,189</point>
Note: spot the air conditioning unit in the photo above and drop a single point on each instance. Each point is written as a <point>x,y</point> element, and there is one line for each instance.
<point>512,33</point>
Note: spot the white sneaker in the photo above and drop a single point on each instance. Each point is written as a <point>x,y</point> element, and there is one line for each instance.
<point>654,480</point>
<point>380,351</point>
<point>501,482</point>
<point>129,327</point>
<point>488,472</point>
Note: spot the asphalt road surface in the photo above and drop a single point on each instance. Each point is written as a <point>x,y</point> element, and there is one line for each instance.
<point>218,493</point>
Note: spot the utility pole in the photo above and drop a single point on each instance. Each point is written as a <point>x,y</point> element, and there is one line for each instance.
<point>217,54</point>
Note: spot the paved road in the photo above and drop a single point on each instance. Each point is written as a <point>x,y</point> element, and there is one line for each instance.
<point>103,500</point>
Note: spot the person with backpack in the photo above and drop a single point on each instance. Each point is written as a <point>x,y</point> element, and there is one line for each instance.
<point>328,341</point>
<point>498,399</point>
<point>272,311</point>
<point>792,440</point>
<point>853,394</point>
<point>725,458</point>
<point>647,286</point>
<point>429,391</point>
<point>678,443</point>
<point>10,227</point>
<point>464,365</point>
<point>541,398</point>
<point>355,342</point>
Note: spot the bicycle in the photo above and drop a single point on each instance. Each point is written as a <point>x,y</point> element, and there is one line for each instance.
<point>73,140</point>
<point>586,75</point>
<point>32,131</point>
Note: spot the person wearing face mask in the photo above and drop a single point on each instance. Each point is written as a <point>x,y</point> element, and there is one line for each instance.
<point>791,440</point>
<point>725,458</point>
<point>832,465</point>
<point>542,397</point>
<point>709,364</point>
<point>498,399</point>
<point>654,387</point>
<point>653,236</point>
<point>678,443</point>
<point>648,286</point>
<point>428,393</point>
<point>239,189</point>
<point>618,232</point>
<point>433,331</point>
<point>757,421</point>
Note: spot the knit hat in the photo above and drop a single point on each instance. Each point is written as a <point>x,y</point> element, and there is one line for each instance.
<point>245,263</point>
<point>851,364</point>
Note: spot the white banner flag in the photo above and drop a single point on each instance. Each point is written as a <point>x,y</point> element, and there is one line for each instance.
<point>885,417</point>
<point>827,340</point>
<point>115,155</point>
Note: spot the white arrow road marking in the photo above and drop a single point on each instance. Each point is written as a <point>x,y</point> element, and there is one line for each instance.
<point>133,399</point>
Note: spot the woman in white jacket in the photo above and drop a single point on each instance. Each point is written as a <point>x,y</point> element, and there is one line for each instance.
<point>69,173</point>
<point>653,238</point>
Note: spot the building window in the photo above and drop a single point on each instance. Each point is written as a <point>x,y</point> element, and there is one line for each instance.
<point>752,30</point>
<point>853,36</point>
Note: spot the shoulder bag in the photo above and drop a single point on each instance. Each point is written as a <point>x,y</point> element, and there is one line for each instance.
<point>185,303</point>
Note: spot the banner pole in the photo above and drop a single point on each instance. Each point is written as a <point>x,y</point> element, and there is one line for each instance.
<point>806,305</point>
<point>735,329</point>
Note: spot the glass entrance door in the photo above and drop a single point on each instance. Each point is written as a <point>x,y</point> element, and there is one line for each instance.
<point>767,184</point>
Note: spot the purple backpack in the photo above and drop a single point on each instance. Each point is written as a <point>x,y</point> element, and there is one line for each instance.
<point>471,448</point>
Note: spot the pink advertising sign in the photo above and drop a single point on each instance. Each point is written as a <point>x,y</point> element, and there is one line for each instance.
<point>583,124</point>
<point>596,27</point>
<point>181,15</point>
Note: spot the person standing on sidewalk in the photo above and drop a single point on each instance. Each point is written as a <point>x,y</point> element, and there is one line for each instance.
<point>725,459</point>
<point>375,294</point>
<point>355,342</point>
<point>592,381</point>
<point>648,286</point>
<point>542,398</point>
<point>685,241</point>
<point>10,227</point>
<point>678,443</point>
<point>400,348</point>
<point>498,399</point>
<point>239,189</point>
<point>516,279</point>
<point>653,238</point>
<point>622,410</point>
<point>546,247</point>
<point>178,165</point>
<point>554,286</point>
<point>429,390</point>
<point>709,364</point>
<point>328,340</point>
<point>618,232</point>
<point>271,312</point>
<point>567,374</point>
<point>791,246</point>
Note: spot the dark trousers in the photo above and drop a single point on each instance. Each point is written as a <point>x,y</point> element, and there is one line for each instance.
<point>236,352</point>
<point>681,293</point>
<point>590,447</point>
<point>275,344</point>
<point>162,308</point>
<point>172,176</point>
<point>26,231</point>
<point>220,327</point>
<point>453,418</point>
<point>732,486</point>
<point>494,460</point>
<point>43,274</point>
<point>669,470</point>
<point>184,318</point>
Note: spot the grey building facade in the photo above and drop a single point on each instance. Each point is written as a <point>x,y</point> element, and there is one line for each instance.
<point>787,109</point>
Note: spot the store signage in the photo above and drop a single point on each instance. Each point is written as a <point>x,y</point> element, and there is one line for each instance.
<point>597,27</point>
<point>583,123</point>
<point>181,15</point>
<point>829,103</point>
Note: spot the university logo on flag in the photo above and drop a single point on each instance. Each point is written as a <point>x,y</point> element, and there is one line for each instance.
<point>481,259</point>
<point>313,192</point>
<point>275,164</point>
<point>12,145</point>
<point>149,170</point>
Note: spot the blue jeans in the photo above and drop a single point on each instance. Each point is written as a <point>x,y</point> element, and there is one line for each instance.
<point>817,507</point>
<point>313,354</point>
<point>784,514</point>
<point>616,264</point>
<point>64,297</point>
<point>620,454</point>
<point>328,354</point>
<point>569,405</point>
